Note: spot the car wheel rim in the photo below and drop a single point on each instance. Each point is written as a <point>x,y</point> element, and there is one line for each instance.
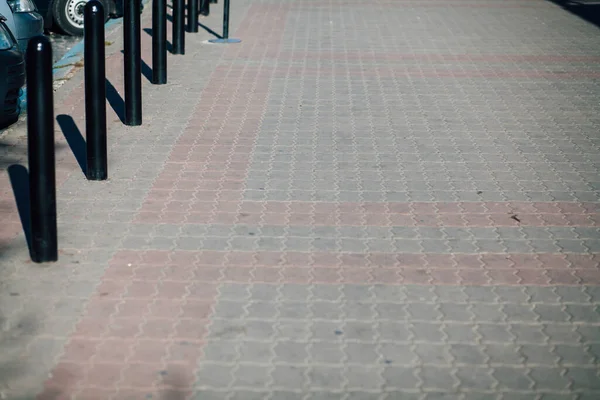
<point>74,10</point>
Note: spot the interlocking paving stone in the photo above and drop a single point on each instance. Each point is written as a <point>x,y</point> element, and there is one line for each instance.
<point>396,200</point>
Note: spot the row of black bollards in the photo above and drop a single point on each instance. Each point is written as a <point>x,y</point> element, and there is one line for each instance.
<point>133,62</point>
<point>178,27</point>
<point>40,146</point>
<point>192,12</point>
<point>40,117</point>
<point>95,92</point>
<point>159,42</point>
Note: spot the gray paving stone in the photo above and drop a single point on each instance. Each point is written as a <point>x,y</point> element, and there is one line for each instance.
<point>326,310</point>
<point>220,351</point>
<point>261,310</point>
<point>361,331</point>
<point>289,376</point>
<point>290,352</point>
<point>365,378</point>
<point>365,311</point>
<point>543,294</point>
<point>528,333</point>
<point>230,309</point>
<point>589,333</point>
<point>434,377</point>
<point>258,352</point>
<point>326,331</point>
<point>552,313</point>
<point>226,329</point>
<point>293,310</point>
<point>549,379</point>
<point>503,354</point>
<point>467,354</point>
<point>583,312</point>
<point>244,394</point>
<point>493,333</point>
<point>475,378</point>
<point>326,293</point>
<point>455,312</point>
<point>460,333</point>
<point>326,353</point>
<point>214,376</point>
<point>294,330</point>
<point>251,375</point>
<point>294,292</point>
<point>326,377</point>
<point>394,395</point>
<point>583,378</point>
<point>512,378</point>
<point>573,354</point>
<point>232,291</point>
<point>210,395</point>
<point>538,354</point>
<point>481,396</point>
<point>361,353</point>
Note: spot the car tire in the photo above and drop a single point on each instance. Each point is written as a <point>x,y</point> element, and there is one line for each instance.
<point>68,15</point>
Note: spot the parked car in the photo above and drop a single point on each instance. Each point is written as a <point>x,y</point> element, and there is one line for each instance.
<point>22,19</point>
<point>12,75</point>
<point>66,16</point>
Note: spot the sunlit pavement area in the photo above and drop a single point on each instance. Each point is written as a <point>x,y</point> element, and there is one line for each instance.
<point>390,200</point>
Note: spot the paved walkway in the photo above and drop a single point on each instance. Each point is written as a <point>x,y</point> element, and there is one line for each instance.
<point>384,199</point>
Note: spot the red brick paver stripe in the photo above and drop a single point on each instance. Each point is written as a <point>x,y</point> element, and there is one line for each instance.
<point>142,336</point>
<point>312,4</point>
<point>434,57</point>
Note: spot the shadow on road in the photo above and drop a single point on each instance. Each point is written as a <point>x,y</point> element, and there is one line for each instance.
<point>76,142</point>
<point>586,10</point>
<point>169,45</point>
<point>115,100</point>
<point>201,25</point>
<point>145,68</point>
<point>19,180</point>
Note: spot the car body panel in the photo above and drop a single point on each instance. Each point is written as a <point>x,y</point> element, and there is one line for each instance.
<point>45,9</point>
<point>12,78</point>
<point>24,25</point>
<point>29,24</point>
<point>6,11</point>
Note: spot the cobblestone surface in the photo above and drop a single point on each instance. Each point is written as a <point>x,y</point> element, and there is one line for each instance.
<point>392,201</point>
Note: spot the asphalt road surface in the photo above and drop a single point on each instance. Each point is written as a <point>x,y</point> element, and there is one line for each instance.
<point>61,44</point>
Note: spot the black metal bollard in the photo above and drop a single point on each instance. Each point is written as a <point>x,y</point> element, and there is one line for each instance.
<point>226,19</point>
<point>225,38</point>
<point>95,92</point>
<point>133,63</point>
<point>159,42</point>
<point>192,14</point>
<point>40,143</point>
<point>178,28</point>
<point>204,7</point>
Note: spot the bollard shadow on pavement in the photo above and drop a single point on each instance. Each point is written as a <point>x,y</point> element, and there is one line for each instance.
<point>74,138</point>
<point>207,29</point>
<point>169,45</point>
<point>588,10</point>
<point>146,70</point>
<point>201,25</point>
<point>19,180</point>
<point>115,100</point>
